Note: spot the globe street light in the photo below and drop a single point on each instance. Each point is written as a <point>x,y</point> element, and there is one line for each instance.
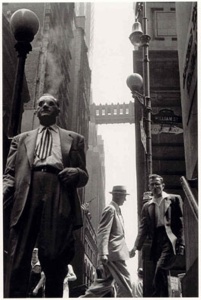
<point>135,82</point>
<point>24,24</point>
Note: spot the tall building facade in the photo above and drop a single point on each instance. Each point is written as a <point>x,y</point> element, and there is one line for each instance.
<point>187,53</point>
<point>95,189</point>
<point>86,10</point>
<point>173,80</point>
<point>48,64</point>
<point>96,184</point>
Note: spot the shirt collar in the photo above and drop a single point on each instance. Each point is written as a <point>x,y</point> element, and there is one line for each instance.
<point>36,264</point>
<point>54,127</point>
<point>164,196</point>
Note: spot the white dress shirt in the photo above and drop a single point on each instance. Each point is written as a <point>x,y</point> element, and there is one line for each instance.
<point>160,209</point>
<point>55,159</point>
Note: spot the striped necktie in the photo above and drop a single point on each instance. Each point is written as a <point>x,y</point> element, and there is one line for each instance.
<point>44,147</point>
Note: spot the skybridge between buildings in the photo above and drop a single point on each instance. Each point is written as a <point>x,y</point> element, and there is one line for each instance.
<point>113,113</point>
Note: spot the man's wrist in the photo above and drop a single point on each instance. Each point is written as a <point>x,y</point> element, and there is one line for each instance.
<point>103,256</point>
<point>180,245</point>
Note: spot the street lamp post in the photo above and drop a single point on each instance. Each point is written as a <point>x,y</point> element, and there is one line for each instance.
<point>135,82</point>
<point>24,24</point>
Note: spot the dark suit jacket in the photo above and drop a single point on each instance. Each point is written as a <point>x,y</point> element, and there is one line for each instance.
<point>172,219</point>
<point>17,178</point>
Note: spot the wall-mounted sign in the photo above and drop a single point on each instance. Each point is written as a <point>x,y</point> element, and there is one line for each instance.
<point>160,128</point>
<point>166,116</point>
<point>143,136</point>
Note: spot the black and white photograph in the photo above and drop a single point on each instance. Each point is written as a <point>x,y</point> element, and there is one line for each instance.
<point>99,149</point>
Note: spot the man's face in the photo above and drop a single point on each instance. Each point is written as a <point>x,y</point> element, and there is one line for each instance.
<point>156,187</point>
<point>47,109</point>
<point>119,199</point>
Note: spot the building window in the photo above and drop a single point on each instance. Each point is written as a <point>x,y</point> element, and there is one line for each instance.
<point>103,112</point>
<point>127,111</point>
<point>165,24</point>
<point>115,111</point>
<point>97,112</point>
<point>121,111</point>
<point>109,111</point>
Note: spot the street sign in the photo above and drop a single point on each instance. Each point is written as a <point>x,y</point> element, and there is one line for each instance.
<point>143,136</point>
<point>166,116</point>
<point>160,128</point>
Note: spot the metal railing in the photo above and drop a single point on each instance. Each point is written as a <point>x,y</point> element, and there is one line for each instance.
<point>190,197</point>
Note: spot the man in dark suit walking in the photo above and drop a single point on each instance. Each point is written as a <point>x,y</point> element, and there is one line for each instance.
<point>44,168</point>
<point>161,219</point>
<point>112,250</point>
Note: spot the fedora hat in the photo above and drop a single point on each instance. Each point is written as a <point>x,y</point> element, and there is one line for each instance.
<point>119,189</point>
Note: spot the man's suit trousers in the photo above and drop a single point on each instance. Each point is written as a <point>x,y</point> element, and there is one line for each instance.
<point>163,260</point>
<point>42,224</point>
<point>113,272</point>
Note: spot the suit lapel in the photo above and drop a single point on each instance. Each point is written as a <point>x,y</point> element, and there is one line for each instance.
<point>151,210</point>
<point>167,203</point>
<point>66,142</point>
<point>30,143</point>
<point>119,215</point>
<point>121,219</point>
<point>152,214</point>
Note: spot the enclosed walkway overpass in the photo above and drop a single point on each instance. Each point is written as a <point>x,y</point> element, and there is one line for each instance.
<point>113,113</point>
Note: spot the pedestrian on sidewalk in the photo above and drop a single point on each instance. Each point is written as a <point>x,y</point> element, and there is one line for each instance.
<point>112,250</point>
<point>162,221</point>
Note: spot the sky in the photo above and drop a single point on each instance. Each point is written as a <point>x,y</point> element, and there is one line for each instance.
<point>112,64</point>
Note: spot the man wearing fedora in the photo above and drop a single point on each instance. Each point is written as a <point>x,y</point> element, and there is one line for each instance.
<point>112,250</point>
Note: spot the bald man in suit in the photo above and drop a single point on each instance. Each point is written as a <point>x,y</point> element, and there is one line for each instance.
<point>112,250</point>
<point>46,209</point>
<point>162,220</point>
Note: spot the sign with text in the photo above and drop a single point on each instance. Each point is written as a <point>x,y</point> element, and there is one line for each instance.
<point>143,136</point>
<point>157,129</point>
<point>166,116</point>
